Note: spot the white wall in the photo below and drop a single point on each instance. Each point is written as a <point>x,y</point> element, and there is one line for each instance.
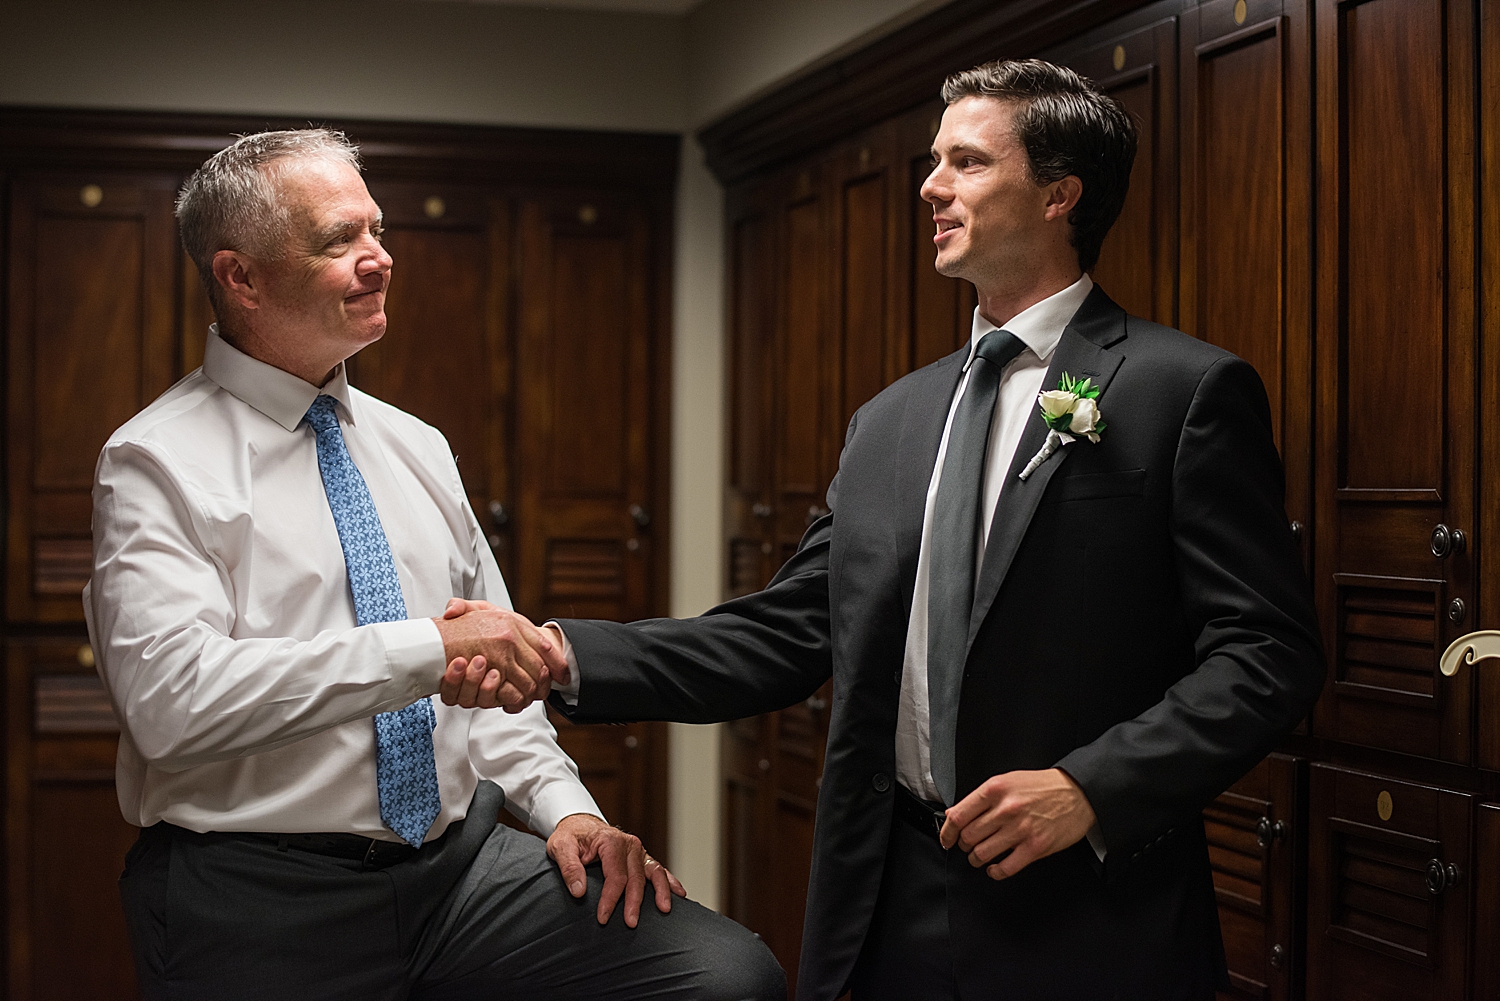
<point>484,63</point>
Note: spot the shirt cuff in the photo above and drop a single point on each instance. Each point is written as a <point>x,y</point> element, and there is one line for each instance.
<point>414,653</point>
<point>557,800</point>
<point>1096,840</point>
<point>569,692</point>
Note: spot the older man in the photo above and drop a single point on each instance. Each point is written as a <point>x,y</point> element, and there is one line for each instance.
<point>269,546</point>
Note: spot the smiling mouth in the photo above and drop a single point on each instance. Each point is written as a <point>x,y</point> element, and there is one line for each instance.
<point>944,227</point>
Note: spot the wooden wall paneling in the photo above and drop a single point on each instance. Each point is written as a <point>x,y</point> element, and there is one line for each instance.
<point>747,818</point>
<point>1396,367</point>
<point>941,308</point>
<point>445,356</point>
<point>587,494</point>
<point>1387,917</point>
<point>1138,263</point>
<point>1487,903</point>
<point>1246,260</point>
<point>749,497</point>
<point>66,841</point>
<point>93,280</point>
<point>1256,845</point>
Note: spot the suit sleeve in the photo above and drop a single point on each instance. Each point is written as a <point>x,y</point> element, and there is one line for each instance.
<point>1248,605</point>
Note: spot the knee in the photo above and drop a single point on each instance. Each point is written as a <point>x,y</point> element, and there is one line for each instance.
<point>745,970</point>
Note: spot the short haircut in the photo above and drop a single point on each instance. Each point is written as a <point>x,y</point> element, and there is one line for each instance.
<point>233,201</point>
<point>1068,126</point>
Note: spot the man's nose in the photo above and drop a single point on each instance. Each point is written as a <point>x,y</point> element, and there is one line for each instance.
<point>935,188</point>
<point>376,262</point>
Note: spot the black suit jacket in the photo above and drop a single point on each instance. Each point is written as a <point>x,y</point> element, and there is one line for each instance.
<point>1142,621</point>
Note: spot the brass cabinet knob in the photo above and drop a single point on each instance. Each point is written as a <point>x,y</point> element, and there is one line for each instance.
<point>85,656</point>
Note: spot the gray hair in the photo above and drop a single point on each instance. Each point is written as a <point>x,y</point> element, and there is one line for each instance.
<point>233,201</point>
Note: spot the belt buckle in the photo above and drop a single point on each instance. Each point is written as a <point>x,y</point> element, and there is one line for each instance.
<point>369,860</point>
<point>937,825</point>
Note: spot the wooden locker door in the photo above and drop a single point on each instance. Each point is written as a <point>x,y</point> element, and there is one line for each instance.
<point>1396,369</point>
<point>1388,889</point>
<point>588,515</point>
<point>93,276</point>
<point>1246,210</point>
<point>1488,681</point>
<point>65,838</point>
<point>749,497</point>
<point>1255,844</point>
<point>1487,903</point>
<point>941,309</point>
<point>445,356</point>
<point>1138,263</point>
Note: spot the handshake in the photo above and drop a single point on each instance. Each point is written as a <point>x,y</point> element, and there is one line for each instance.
<point>497,658</point>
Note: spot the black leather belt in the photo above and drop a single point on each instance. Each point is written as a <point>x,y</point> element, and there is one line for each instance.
<point>374,853</point>
<point>924,816</point>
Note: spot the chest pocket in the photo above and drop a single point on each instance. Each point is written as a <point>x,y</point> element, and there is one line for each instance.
<point>1095,486</point>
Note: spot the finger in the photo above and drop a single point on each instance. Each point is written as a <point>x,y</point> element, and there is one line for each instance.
<point>965,811</point>
<point>548,653</point>
<point>494,691</point>
<point>983,826</point>
<point>455,608</point>
<point>453,680</point>
<point>661,882</point>
<point>1026,853</point>
<point>473,676</point>
<point>616,876</point>
<point>994,846</point>
<point>569,865</point>
<point>635,883</point>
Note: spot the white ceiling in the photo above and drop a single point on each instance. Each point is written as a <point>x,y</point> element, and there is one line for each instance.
<point>632,6</point>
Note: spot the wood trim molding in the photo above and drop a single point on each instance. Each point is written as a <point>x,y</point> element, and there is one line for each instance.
<point>889,76</point>
<point>52,136</point>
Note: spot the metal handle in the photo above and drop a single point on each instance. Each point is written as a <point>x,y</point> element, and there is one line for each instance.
<point>1268,831</point>
<point>1448,542</point>
<point>1297,529</point>
<point>761,510</point>
<point>1469,649</point>
<point>1278,957</point>
<point>499,516</point>
<point>640,516</point>
<point>1440,877</point>
<point>816,704</point>
<point>814,513</point>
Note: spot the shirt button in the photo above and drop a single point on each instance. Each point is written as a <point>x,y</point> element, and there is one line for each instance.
<point>881,782</point>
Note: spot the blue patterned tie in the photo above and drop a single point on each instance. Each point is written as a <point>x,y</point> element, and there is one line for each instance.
<point>405,771</point>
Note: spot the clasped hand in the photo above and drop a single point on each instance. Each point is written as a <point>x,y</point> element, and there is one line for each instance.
<point>496,658</point>
<point>1028,814</point>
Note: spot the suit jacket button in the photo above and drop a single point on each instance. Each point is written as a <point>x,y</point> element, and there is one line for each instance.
<point>881,782</point>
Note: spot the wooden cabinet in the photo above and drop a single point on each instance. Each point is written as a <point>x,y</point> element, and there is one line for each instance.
<point>1256,832</point>
<point>1487,903</point>
<point>1388,888</point>
<point>527,315</point>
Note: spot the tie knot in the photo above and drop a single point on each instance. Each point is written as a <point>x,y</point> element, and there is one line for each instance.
<point>321,416</point>
<point>998,347</point>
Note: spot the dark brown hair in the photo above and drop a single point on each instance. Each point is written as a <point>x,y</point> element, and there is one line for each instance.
<point>1068,126</point>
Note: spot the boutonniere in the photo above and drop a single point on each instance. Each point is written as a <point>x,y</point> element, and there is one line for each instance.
<point>1069,412</point>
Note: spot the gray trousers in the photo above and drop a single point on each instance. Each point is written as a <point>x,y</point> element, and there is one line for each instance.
<point>480,914</point>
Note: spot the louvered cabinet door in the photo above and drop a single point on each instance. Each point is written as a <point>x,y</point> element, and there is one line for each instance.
<point>1396,369</point>
<point>93,275</point>
<point>1255,842</point>
<point>65,840</point>
<point>1388,889</point>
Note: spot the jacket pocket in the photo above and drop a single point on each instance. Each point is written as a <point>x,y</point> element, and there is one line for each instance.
<point>1091,486</point>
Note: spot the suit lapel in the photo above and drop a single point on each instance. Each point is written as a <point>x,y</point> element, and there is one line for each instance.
<point>927,404</point>
<point>1082,351</point>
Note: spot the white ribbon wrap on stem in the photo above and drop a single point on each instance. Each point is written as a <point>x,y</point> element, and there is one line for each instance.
<point>1055,440</point>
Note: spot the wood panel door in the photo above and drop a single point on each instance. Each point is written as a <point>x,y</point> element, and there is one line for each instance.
<point>445,356</point>
<point>1388,888</point>
<point>65,839</point>
<point>1487,903</point>
<point>1138,67</point>
<point>1246,210</point>
<point>1396,350</point>
<point>1256,837</point>
<point>93,278</point>
<point>590,395</point>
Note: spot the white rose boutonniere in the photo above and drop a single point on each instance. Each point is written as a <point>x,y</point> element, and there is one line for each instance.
<point>1070,411</point>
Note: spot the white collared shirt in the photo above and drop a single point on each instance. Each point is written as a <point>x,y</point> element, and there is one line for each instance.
<point>1039,327</point>
<point>224,627</point>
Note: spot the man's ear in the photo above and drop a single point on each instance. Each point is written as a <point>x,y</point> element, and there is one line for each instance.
<point>1063,197</point>
<point>234,273</point>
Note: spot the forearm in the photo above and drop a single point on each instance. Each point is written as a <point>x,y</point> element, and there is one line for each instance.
<point>519,752</point>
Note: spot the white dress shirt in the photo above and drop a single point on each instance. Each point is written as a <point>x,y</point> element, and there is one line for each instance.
<point>221,614</point>
<point>1039,327</point>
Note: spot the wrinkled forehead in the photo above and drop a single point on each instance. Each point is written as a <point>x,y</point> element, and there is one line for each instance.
<point>320,191</point>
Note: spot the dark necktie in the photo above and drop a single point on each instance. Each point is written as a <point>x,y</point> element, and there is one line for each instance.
<point>954,544</point>
<point>405,769</point>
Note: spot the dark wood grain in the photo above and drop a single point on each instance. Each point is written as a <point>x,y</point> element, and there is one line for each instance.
<point>1487,903</point>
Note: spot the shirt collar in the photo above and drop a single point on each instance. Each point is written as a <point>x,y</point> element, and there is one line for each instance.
<point>279,395</point>
<point>1039,326</point>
